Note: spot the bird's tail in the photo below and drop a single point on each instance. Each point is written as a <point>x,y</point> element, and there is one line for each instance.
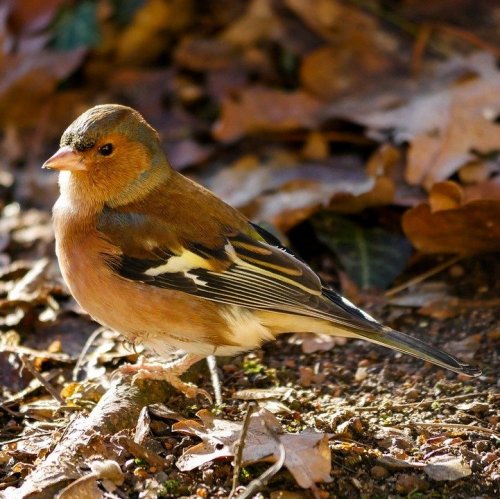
<point>403,343</point>
<point>361,325</point>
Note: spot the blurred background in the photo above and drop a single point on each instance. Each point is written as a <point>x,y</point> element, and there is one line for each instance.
<point>365,133</point>
<point>331,120</point>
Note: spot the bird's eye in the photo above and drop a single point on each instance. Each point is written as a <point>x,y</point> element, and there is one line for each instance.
<point>106,149</point>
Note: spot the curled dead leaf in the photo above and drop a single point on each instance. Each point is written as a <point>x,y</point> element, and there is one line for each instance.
<point>259,109</point>
<point>307,453</point>
<point>447,225</point>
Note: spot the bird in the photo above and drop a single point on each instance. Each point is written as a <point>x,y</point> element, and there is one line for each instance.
<point>160,259</point>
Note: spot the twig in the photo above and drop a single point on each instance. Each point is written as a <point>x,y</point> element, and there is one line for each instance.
<point>140,451</point>
<point>251,406</point>
<point>38,354</point>
<point>116,411</point>
<point>376,408</point>
<point>469,37</point>
<point>31,368</point>
<point>24,437</point>
<point>449,426</point>
<point>214,376</point>
<point>255,485</point>
<point>421,277</point>
<point>81,358</point>
<point>30,389</point>
<point>3,407</point>
<point>419,47</point>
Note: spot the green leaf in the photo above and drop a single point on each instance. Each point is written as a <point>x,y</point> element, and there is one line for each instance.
<point>77,27</point>
<point>372,257</point>
<point>125,10</point>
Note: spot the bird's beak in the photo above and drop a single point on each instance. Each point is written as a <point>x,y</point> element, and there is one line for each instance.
<point>65,159</point>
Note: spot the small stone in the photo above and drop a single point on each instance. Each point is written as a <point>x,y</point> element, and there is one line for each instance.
<point>306,376</point>
<point>493,419</point>
<point>456,271</point>
<point>379,472</point>
<point>202,492</point>
<point>413,394</point>
<point>488,458</point>
<point>361,374</point>
<point>475,466</point>
<point>410,483</point>
<point>208,476</point>
<point>141,473</point>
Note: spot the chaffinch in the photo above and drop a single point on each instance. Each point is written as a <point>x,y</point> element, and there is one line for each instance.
<point>158,258</point>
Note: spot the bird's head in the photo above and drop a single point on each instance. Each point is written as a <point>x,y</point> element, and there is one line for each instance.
<point>111,154</point>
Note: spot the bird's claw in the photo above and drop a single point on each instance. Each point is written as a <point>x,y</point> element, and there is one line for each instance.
<point>160,372</point>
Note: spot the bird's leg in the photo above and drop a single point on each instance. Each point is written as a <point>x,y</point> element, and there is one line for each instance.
<point>170,372</point>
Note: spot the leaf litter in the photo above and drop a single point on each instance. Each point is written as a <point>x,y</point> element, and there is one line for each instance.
<point>290,112</point>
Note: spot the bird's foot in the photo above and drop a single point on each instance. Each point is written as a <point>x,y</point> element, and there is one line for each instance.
<point>169,372</point>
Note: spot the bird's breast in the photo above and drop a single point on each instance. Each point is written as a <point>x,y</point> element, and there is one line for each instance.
<point>160,318</point>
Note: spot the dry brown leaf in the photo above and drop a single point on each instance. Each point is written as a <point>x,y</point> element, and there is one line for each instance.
<point>447,225</point>
<point>28,79</point>
<point>145,37</point>
<point>446,127</point>
<point>485,190</point>
<point>200,54</point>
<point>331,71</point>
<point>259,109</point>
<point>447,468</point>
<point>284,191</point>
<point>259,22</point>
<point>32,15</point>
<point>311,343</point>
<point>307,453</point>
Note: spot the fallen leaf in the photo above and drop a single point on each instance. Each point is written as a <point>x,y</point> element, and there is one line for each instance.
<point>447,468</point>
<point>311,342</point>
<point>329,73</point>
<point>259,109</point>
<point>85,487</point>
<point>466,348</point>
<point>146,36</point>
<point>373,257</point>
<point>77,26</point>
<point>307,453</point>
<point>259,22</point>
<point>284,191</point>
<point>446,224</point>
<point>28,79</point>
<point>32,15</point>
<point>446,128</point>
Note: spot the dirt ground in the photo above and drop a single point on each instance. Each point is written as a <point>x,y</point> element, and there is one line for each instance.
<point>386,414</point>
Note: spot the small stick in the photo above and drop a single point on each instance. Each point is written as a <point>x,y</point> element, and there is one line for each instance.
<point>251,406</point>
<point>81,358</point>
<point>214,376</point>
<point>421,277</point>
<point>38,354</point>
<point>469,37</point>
<point>449,426</point>
<point>140,451</point>
<point>31,368</point>
<point>255,485</point>
<point>375,408</point>
<point>30,389</point>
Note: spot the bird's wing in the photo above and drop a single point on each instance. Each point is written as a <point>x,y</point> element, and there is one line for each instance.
<point>249,268</point>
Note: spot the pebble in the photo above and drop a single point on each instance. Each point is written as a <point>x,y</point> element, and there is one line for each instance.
<point>406,484</point>
<point>482,446</point>
<point>488,458</point>
<point>413,394</point>
<point>361,374</point>
<point>379,472</point>
<point>202,492</point>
